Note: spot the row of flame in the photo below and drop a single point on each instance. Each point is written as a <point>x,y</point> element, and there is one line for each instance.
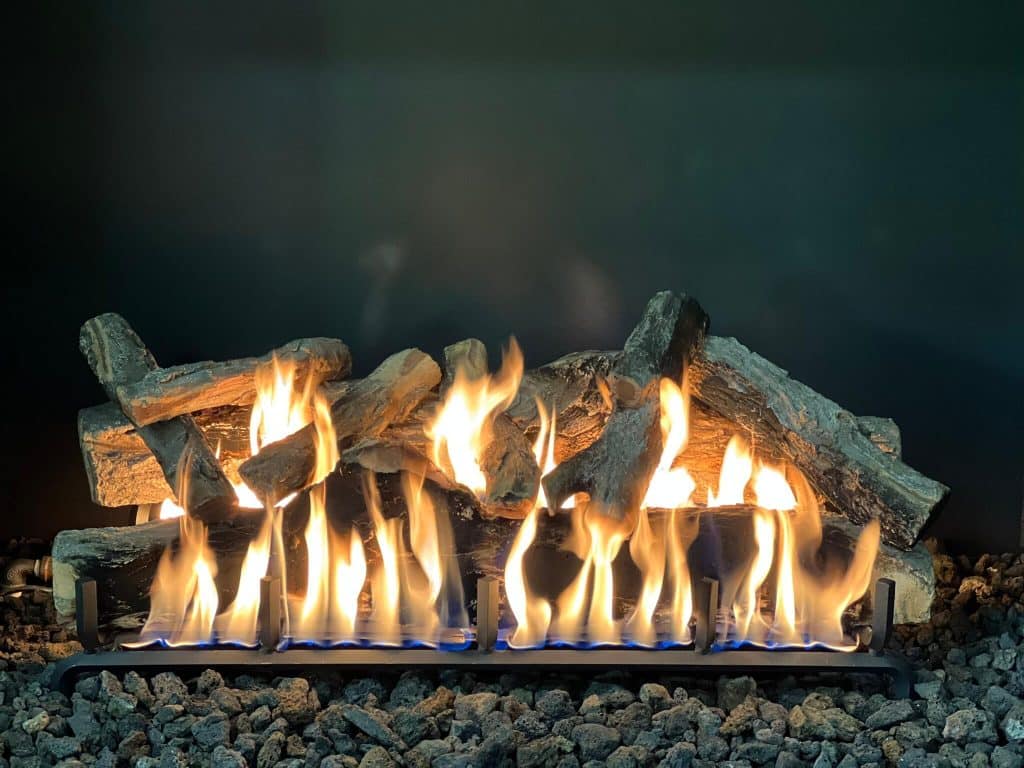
<point>421,590</point>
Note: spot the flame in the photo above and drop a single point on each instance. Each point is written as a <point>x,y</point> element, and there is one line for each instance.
<point>279,410</point>
<point>670,487</point>
<point>385,585</point>
<point>681,531</point>
<point>532,613</point>
<point>544,453</point>
<point>317,620</point>
<point>349,578</point>
<point>598,536</point>
<point>737,466</point>
<point>786,590</point>
<point>184,598</point>
<point>431,590</point>
<point>461,430</point>
<point>169,510</point>
<point>648,552</point>
<point>239,621</point>
<point>809,592</point>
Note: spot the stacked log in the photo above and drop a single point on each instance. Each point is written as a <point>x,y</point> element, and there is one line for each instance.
<point>607,442</point>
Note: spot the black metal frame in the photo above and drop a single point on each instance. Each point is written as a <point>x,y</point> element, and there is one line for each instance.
<point>700,658</point>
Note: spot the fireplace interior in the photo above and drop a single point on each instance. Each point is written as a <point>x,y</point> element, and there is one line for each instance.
<point>681,493</point>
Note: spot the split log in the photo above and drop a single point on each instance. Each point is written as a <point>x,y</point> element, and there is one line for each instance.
<point>168,392</point>
<point>616,469</point>
<point>366,409</point>
<point>573,388</point>
<point>120,468</point>
<point>817,436</point>
<point>118,357</point>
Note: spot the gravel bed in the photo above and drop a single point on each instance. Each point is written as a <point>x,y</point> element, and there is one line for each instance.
<point>967,708</point>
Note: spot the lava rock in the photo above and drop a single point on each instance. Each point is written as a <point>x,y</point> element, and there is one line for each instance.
<point>377,757</point>
<point>541,752</point>
<point>372,727</point>
<point>555,704</point>
<point>733,690</point>
<point>655,696</point>
<point>474,706</point>
<point>212,730</point>
<point>595,742</point>
<point>226,758</point>
<point>890,714</point>
<point>970,725</point>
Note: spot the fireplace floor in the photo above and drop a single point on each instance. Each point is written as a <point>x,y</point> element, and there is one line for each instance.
<point>538,717</point>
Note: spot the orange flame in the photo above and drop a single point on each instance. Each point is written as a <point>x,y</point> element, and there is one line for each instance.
<point>238,623</point>
<point>183,602</point>
<point>319,618</point>
<point>385,586</point>
<point>462,428</point>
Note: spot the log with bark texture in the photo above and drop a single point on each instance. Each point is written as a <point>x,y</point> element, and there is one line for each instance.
<point>616,469</point>
<point>507,461</point>
<point>883,432</point>
<point>819,437</point>
<point>182,389</point>
<point>368,407</point>
<point>118,357</point>
<point>573,388</point>
<point>121,469</point>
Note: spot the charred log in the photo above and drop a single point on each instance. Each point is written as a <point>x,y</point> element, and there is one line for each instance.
<point>366,409</point>
<point>124,561</point>
<point>573,388</point>
<point>165,393</point>
<point>824,441</point>
<point>616,469</point>
<point>118,358</point>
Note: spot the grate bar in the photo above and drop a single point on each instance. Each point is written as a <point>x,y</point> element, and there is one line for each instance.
<point>700,658</point>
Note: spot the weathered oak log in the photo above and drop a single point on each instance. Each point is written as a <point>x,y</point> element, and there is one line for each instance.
<point>573,387</point>
<point>819,437</point>
<point>118,357</point>
<point>167,392</point>
<point>366,409</point>
<point>616,469</point>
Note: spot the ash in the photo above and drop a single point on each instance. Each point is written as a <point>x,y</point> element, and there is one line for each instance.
<point>967,708</point>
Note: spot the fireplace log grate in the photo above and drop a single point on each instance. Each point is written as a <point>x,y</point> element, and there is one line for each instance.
<point>702,657</point>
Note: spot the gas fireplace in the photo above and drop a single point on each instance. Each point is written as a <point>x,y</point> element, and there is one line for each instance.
<point>679,502</point>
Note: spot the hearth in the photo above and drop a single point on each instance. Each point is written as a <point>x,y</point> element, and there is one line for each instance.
<point>679,503</point>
